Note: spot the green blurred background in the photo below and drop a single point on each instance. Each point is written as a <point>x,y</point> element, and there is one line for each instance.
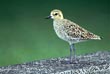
<point>26,36</point>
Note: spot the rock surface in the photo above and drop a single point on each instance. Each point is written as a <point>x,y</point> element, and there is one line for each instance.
<point>95,63</point>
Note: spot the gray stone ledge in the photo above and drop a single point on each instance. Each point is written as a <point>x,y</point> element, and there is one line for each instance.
<point>94,63</point>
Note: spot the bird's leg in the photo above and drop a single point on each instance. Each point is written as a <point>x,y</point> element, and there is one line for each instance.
<point>72,59</point>
<point>72,50</point>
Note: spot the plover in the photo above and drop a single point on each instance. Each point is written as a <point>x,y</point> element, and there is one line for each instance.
<point>70,31</point>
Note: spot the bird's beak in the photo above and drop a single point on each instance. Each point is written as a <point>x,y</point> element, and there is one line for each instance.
<point>48,17</point>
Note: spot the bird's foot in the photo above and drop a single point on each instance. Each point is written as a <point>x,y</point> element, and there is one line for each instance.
<point>70,61</point>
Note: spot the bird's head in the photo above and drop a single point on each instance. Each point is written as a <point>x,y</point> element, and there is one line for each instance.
<point>55,14</point>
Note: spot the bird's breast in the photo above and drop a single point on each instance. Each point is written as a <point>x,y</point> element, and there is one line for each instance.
<point>58,27</point>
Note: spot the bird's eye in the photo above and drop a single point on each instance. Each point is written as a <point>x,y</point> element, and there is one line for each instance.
<point>56,13</point>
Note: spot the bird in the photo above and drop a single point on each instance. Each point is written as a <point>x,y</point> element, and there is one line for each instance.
<point>70,31</point>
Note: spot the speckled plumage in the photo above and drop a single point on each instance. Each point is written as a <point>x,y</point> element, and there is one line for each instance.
<point>70,31</point>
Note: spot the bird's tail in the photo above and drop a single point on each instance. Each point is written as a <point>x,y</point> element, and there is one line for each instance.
<point>96,37</point>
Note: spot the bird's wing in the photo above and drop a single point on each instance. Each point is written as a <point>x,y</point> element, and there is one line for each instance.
<point>75,31</point>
